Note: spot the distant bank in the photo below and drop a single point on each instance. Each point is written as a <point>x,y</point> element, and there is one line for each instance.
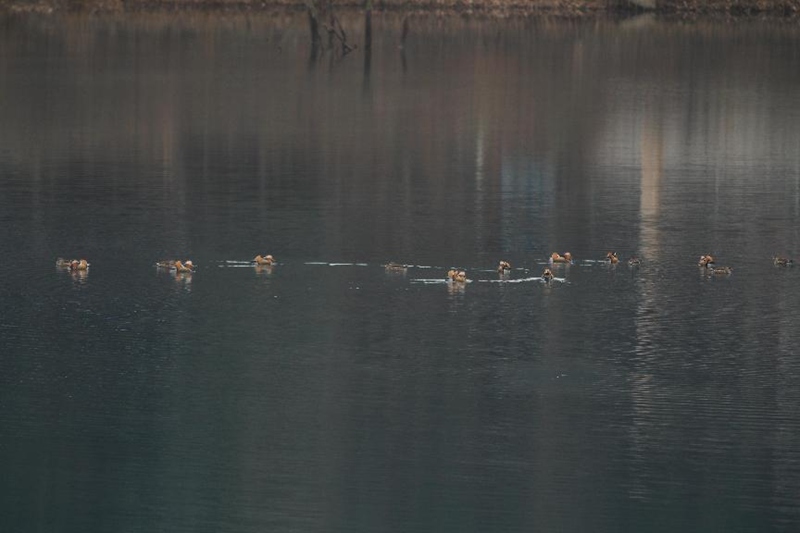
<point>567,8</point>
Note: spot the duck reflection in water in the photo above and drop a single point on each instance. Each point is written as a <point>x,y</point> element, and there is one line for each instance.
<point>79,275</point>
<point>263,269</point>
<point>183,280</point>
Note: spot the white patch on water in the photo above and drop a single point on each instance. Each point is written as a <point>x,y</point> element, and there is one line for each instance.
<point>518,280</point>
<point>438,281</point>
<point>521,280</point>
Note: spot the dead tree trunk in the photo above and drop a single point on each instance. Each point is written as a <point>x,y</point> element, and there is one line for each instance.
<point>368,26</point>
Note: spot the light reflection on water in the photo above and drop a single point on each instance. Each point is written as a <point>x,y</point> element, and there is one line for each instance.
<point>328,393</point>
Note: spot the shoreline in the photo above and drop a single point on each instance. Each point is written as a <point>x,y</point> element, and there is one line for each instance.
<point>786,9</point>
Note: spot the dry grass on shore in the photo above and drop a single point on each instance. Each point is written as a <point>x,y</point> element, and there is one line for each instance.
<point>566,8</point>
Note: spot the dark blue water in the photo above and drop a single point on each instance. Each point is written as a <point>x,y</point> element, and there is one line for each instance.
<point>327,394</point>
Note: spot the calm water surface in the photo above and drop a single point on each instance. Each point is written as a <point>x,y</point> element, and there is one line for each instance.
<point>326,394</point>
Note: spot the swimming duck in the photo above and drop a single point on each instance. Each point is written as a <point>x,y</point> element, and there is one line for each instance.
<point>504,267</point>
<point>720,271</point>
<point>706,261</point>
<point>79,265</point>
<point>547,275</point>
<point>183,267</point>
<point>395,267</point>
<point>457,275</point>
<point>634,261</point>
<point>566,258</point>
<point>266,260</point>
<point>782,261</point>
<point>612,258</point>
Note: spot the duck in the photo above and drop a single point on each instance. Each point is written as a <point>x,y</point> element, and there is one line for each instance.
<point>547,275</point>
<point>566,258</point>
<point>183,267</point>
<point>79,265</point>
<point>504,267</point>
<point>721,271</point>
<point>395,267</point>
<point>457,275</point>
<point>612,258</point>
<point>265,260</point>
<point>634,261</point>
<point>706,261</point>
<point>782,261</point>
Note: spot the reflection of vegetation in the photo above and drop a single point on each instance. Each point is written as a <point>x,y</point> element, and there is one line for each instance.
<point>337,37</point>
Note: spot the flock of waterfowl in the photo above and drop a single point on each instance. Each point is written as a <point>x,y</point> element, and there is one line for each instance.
<point>454,275</point>
<point>72,264</point>
<point>706,262</point>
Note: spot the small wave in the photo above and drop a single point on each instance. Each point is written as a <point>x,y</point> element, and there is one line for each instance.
<point>521,280</point>
<point>438,281</point>
<point>518,280</point>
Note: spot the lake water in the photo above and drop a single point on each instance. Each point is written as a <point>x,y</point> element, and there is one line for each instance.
<point>327,394</point>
